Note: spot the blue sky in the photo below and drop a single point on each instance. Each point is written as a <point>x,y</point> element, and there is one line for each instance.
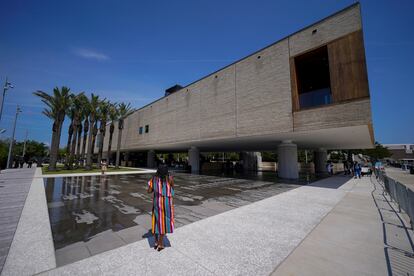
<point>133,50</point>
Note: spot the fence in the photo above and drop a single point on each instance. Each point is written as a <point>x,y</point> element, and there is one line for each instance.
<point>400,193</point>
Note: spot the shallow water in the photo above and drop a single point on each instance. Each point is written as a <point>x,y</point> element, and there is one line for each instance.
<point>81,207</point>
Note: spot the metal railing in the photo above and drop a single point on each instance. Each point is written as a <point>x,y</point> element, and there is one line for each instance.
<point>401,194</point>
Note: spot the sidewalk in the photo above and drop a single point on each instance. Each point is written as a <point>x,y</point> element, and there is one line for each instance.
<point>14,187</point>
<point>362,235</point>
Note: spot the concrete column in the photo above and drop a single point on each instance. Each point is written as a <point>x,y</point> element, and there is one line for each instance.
<point>252,161</point>
<point>194,159</point>
<point>151,159</point>
<point>287,154</point>
<point>320,158</point>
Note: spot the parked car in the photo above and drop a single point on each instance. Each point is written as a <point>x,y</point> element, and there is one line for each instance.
<point>366,170</point>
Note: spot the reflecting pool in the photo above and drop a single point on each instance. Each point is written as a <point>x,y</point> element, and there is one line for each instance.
<point>92,214</point>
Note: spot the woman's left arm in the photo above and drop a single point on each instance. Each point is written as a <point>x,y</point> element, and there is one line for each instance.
<point>150,186</point>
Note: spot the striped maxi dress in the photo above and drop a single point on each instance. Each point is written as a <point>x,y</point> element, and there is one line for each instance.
<point>162,209</point>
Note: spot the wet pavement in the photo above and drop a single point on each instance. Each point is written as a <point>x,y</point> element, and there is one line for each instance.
<point>93,214</point>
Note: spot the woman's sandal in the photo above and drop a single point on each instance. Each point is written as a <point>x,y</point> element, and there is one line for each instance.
<point>160,248</point>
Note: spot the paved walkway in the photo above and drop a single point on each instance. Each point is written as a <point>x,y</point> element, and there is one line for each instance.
<point>14,187</point>
<point>363,235</point>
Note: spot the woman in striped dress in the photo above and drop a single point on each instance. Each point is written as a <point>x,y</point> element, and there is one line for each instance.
<point>162,185</point>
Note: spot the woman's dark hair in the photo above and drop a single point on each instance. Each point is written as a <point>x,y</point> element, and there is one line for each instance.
<point>162,170</point>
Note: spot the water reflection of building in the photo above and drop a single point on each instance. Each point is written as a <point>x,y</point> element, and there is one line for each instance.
<point>308,90</point>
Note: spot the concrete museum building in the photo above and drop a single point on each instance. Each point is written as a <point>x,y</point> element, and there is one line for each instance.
<point>307,90</point>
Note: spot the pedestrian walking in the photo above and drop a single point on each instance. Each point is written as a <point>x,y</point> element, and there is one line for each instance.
<point>357,170</point>
<point>329,168</point>
<point>346,167</point>
<point>104,166</point>
<point>162,185</point>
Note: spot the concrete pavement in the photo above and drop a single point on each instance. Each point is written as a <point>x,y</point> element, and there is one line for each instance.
<point>14,187</point>
<point>363,235</point>
<point>32,248</point>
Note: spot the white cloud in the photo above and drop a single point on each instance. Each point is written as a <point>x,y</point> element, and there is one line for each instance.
<point>90,54</point>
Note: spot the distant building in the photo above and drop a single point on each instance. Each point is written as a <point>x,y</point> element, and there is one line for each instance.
<point>401,153</point>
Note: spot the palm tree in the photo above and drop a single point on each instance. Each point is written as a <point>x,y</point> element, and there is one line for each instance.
<point>104,108</point>
<point>93,104</point>
<point>113,116</point>
<point>124,111</point>
<point>57,104</point>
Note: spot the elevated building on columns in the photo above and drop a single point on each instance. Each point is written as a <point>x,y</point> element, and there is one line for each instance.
<point>307,90</point>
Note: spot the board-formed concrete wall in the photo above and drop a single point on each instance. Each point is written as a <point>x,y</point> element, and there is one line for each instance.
<point>247,98</point>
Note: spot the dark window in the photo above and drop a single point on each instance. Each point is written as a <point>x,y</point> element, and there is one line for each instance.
<point>146,128</point>
<point>140,130</point>
<point>312,74</point>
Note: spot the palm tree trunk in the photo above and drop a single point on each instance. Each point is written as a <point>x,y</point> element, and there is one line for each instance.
<point>79,142</point>
<point>111,134</point>
<point>94,133</point>
<point>100,146</point>
<point>90,149</point>
<point>53,152</point>
<point>73,144</point>
<point>85,136</point>
<point>68,150</point>
<point>118,149</point>
<point>109,153</point>
<point>54,149</point>
<point>93,144</point>
<point>68,145</point>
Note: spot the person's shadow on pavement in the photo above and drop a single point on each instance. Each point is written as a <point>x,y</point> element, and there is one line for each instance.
<point>151,240</point>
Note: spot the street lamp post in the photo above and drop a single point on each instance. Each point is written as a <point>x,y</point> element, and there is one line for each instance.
<point>7,85</point>
<point>18,110</point>
<point>24,146</point>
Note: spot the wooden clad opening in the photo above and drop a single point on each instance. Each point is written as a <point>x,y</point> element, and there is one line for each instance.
<point>348,68</point>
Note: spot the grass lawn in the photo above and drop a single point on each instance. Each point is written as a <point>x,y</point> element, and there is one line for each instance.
<point>61,170</point>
